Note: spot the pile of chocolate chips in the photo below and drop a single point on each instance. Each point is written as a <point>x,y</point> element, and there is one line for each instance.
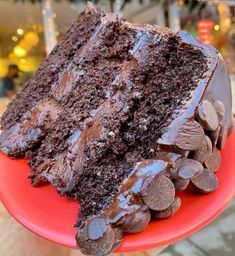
<point>152,187</point>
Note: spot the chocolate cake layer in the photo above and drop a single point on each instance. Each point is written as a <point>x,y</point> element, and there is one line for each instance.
<point>121,116</point>
<point>50,70</point>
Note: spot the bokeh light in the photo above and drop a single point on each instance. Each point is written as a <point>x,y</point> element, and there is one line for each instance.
<point>20,31</point>
<point>19,51</point>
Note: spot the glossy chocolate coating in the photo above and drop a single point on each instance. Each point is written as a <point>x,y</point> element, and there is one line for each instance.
<point>127,200</point>
<point>97,228</point>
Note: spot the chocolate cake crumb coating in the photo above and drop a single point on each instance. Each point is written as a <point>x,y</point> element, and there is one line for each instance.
<point>120,117</point>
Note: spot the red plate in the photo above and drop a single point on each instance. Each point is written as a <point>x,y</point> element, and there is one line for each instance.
<point>44,212</point>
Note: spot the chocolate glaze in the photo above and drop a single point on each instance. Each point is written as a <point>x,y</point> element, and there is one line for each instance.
<point>128,199</point>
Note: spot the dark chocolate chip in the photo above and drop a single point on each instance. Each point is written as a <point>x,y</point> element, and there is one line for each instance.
<point>135,222</point>
<point>97,228</point>
<point>160,193</point>
<point>168,156</point>
<point>168,212</point>
<point>180,184</point>
<point>186,169</point>
<point>214,135</point>
<point>118,238</point>
<point>190,136</point>
<point>206,182</point>
<point>204,151</point>
<point>220,110</point>
<point>214,161</point>
<point>147,170</point>
<point>173,149</point>
<point>222,137</point>
<point>99,247</point>
<point>207,115</point>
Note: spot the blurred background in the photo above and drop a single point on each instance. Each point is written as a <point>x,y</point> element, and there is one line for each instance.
<point>29,29</point>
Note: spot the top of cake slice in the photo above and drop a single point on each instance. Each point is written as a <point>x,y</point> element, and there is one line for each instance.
<point>119,116</point>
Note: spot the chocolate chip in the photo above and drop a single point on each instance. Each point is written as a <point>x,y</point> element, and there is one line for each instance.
<point>186,169</point>
<point>172,149</point>
<point>180,184</point>
<point>214,161</point>
<point>204,151</point>
<point>222,137</point>
<point>160,194</point>
<point>168,212</point>
<point>135,222</point>
<point>220,110</point>
<point>148,170</point>
<point>214,135</point>
<point>99,247</point>
<point>168,156</point>
<point>207,115</point>
<point>118,238</point>
<point>190,136</point>
<point>118,234</point>
<point>206,182</point>
<point>97,228</point>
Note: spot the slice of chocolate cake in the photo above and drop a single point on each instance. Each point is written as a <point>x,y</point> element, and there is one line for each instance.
<point>119,117</point>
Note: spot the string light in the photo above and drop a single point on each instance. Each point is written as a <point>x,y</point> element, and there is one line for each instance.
<point>20,31</point>
<point>14,38</point>
<point>216,27</point>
